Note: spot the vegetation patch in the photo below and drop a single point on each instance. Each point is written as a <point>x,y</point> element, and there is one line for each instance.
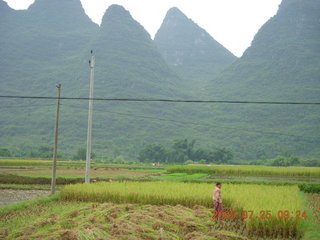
<point>248,170</point>
<point>29,162</point>
<point>63,220</point>
<point>264,201</point>
<point>15,179</point>
<point>182,176</point>
<point>310,188</point>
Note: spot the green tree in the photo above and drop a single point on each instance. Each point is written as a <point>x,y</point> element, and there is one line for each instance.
<point>222,155</point>
<point>285,161</point>
<point>4,152</point>
<point>81,154</point>
<point>183,150</point>
<point>153,153</point>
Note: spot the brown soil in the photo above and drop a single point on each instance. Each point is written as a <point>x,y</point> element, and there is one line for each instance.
<point>10,195</point>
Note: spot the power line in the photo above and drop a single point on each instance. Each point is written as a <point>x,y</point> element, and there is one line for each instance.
<point>164,100</point>
<point>26,106</point>
<point>307,139</point>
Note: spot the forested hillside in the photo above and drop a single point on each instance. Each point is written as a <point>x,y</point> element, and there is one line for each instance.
<point>50,43</point>
<point>282,64</point>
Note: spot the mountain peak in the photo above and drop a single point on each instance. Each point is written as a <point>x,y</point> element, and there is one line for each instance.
<point>116,13</point>
<point>116,8</point>
<point>288,3</point>
<point>66,14</point>
<point>130,59</point>
<point>4,6</point>
<point>188,48</point>
<point>173,15</point>
<point>54,7</point>
<point>117,21</point>
<point>175,10</point>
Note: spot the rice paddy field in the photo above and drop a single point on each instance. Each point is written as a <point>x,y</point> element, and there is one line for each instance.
<point>248,170</point>
<point>255,199</point>
<point>170,202</point>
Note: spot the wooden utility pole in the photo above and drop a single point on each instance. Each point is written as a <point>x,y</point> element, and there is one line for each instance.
<point>55,149</point>
<point>89,132</point>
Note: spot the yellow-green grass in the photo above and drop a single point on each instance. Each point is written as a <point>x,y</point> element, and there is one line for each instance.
<point>248,170</point>
<point>240,198</point>
<point>76,220</point>
<point>181,176</point>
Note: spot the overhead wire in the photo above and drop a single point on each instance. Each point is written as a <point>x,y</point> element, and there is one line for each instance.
<point>165,119</point>
<point>200,124</point>
<point>162,100</point>
<point>27,106</point>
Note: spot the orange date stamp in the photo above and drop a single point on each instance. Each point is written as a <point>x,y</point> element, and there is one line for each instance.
<point>263,214</point>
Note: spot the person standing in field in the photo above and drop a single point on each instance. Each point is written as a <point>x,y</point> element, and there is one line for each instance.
<point>217,199</point>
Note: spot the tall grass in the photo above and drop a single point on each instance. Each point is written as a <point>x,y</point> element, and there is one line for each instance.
<point>248,170</point>
<point>242,197</point>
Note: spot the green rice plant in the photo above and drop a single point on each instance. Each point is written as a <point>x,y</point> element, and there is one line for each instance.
<point>181,176</point>
<point>248,170</point>
<point>260,199</point>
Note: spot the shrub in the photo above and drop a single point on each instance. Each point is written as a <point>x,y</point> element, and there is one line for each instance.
<point>310,188</point>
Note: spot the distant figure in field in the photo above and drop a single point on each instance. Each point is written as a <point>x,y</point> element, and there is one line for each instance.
<point>217,199</point>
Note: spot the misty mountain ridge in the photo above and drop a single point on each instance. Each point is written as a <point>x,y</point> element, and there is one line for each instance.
<point>122,43</point>
<point>38,52</point>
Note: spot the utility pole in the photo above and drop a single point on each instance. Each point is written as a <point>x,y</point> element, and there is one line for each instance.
<point>89,132</point>
<point>55,149</point>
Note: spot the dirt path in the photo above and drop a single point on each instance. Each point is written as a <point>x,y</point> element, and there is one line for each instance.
<point>10,195</point>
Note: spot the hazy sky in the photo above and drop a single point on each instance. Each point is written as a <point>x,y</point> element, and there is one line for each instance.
<point>233,23</point>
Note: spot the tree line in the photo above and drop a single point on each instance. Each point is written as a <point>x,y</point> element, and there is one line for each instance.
<point>182,151</point>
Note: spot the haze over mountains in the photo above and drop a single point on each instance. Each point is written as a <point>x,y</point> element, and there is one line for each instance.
<point>123,44</point>
<point>51,41</point>
<point>190,50</point>
<point>284,58</point>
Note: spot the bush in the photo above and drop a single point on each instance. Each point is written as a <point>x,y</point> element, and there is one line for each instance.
<point>309,188</point>
<point>4,152</point>
<point>285,161</point>
<point>311,163</point>
<point>81,154</point>
<point>188,162</point>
